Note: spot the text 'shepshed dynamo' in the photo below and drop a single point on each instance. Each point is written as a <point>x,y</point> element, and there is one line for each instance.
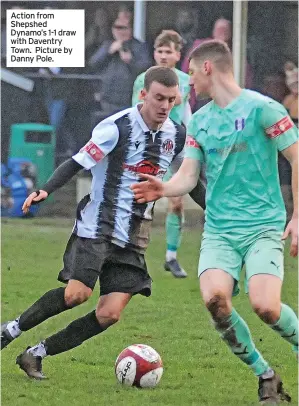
<point>36,38</point>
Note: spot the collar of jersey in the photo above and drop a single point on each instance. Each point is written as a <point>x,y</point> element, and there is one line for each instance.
<point>232,103</point>
<point>142,123</point>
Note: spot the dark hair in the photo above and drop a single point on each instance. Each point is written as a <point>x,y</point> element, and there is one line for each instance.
<point>217,51</point>
<point>167,37</point>
<point>161,74</point>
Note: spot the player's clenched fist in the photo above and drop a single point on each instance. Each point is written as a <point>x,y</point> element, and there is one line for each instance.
<point>148,191</point>
<point>34,198</point>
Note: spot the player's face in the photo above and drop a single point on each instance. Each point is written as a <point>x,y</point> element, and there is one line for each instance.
<point>167,55</point>
<point>200,77</point>
<point>158,101</point>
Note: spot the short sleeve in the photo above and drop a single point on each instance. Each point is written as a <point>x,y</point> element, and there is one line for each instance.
<point>103,140</point>
<point>278,125</point>
<point>138,86</point>
<point>192,148</point>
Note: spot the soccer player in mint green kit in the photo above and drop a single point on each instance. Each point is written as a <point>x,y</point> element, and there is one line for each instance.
<point>167,53</point>
<point>238,136</point>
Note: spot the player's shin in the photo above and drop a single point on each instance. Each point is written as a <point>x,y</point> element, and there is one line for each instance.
<point>173,234</point>
<point>50,304</point>
<point>74,334</point>
<point>287,326</point>
<point>235,333</point>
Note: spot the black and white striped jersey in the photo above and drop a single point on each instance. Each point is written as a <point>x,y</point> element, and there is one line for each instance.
<point>122,147</point>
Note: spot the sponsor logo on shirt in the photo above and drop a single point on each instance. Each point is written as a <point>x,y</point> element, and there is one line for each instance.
<point>280,127</point>
<point>190,142</point>
<point>145,167</point>
<point>240,124</point>
<point>94,151</point>
<point>229,150</point>
<point>167,147</point>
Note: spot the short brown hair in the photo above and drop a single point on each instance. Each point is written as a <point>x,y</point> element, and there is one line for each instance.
<point>161,74</point>
<point>217,51</point>
<point>167,37</point>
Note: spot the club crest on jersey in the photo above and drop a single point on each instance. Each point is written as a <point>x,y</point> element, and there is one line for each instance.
<point>240,124</point>
<point>167,147</point>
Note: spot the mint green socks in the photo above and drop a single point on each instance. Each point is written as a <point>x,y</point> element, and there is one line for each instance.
<point>287,326</point>
<point>173,234</point>
<point>235,333</point>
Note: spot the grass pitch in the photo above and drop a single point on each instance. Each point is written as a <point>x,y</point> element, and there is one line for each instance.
<point>198,367</point>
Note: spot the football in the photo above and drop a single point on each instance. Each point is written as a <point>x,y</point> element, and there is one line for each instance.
<point>139,365</point>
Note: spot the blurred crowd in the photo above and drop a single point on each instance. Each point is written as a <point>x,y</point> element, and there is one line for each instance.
<point>118,58</point>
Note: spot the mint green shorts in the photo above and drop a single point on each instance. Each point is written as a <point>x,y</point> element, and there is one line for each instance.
<point>260,253</point>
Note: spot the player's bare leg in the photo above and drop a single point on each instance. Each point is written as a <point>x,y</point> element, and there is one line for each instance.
<point>174,222</point>
<point>107,313</point>
<point>50,304</point>
<point>216,288</point>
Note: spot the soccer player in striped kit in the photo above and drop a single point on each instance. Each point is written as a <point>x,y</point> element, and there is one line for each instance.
<point>111,231</point>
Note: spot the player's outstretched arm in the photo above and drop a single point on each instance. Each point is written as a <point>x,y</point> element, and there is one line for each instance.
<point>60,177</point>
<point>291,153</point>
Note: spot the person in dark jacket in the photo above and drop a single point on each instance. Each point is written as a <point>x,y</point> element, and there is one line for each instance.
<point>120,61</point>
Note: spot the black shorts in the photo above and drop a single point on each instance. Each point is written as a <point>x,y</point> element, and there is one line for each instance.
<point>117,269</point>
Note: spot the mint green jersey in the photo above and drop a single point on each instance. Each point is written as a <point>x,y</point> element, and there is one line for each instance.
<point>239,146</point>
<point>177,112</point>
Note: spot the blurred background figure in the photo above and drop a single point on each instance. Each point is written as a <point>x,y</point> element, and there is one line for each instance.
<point>119,60</point>
<point>291,104</point>
<point>97,33</point>
<point>222,30</point>
<point>291,100</point>
<point>283,87</point>
<point>186,25</point>
<point>125,13</point>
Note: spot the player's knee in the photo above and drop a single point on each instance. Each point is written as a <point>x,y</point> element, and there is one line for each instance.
<point>269,313</point>
<point>107,317</point>
<point>218,305</point>
<point>75,298</point>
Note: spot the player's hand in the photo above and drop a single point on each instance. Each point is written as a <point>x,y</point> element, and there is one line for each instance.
<point>34,198</point>
<point>149,190</point>
<point>292,231</point>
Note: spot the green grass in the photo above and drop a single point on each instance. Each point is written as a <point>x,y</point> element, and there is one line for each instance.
<point>199,369</point>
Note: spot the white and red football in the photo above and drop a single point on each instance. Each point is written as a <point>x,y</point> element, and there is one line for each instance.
<point>139,365</point>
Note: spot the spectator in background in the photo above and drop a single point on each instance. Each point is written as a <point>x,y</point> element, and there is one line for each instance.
<point>274,86</point>
<point>222,31</point>
<point>125,13</point>
<point>290,102</point>
<point>186,25</point>
<point>97,33</point>
<point>56,96</point>
<point>119,61</point>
